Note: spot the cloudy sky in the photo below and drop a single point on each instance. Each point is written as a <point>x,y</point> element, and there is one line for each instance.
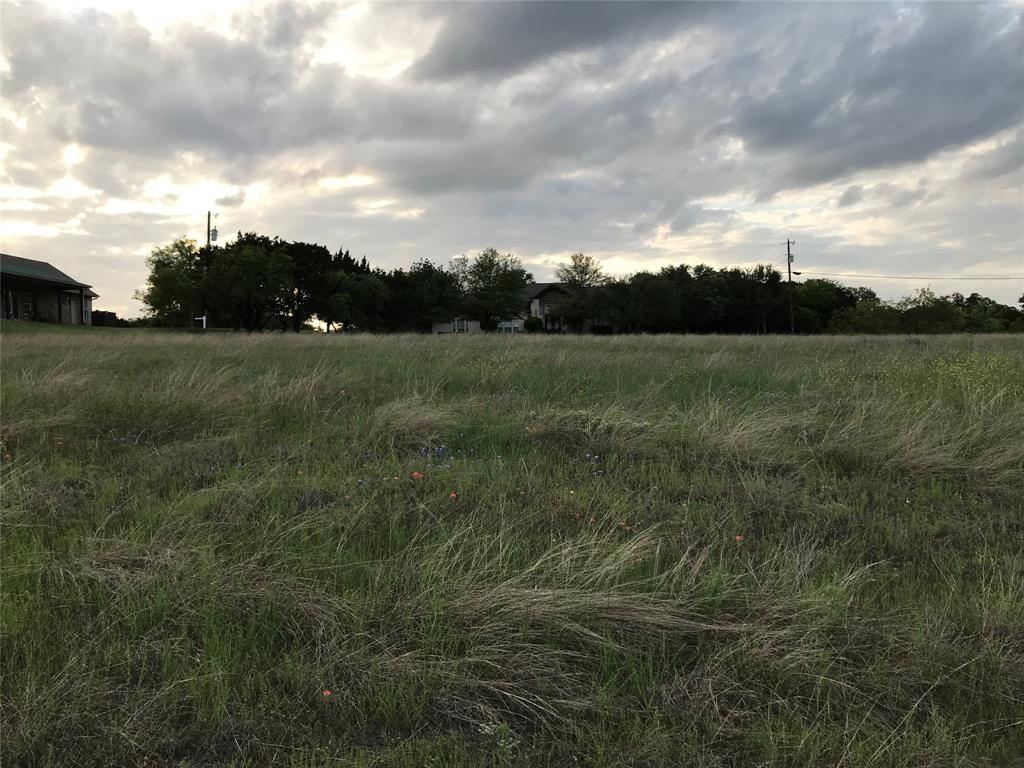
<point>885,138</point>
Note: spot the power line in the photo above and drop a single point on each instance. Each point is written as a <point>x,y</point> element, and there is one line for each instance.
<point>911,277</point>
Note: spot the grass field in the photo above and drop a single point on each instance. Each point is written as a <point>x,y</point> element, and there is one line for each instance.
<point>626,551</point>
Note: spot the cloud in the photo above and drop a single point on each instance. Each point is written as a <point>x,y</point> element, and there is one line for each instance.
<point>853,195</point>
<point>493,39</point>
<point>880,136</point>
<point>231,201</point>
<point>954,78</point>
<point>1005,159</point>
<point>112,83</point>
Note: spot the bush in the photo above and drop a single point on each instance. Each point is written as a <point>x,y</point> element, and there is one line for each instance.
<point>533,325</point>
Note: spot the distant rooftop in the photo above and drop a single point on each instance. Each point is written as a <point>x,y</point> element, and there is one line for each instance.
<point>533,290</point>
<point>15,266</point>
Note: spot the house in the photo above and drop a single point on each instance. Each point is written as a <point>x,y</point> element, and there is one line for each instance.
<point>539,300</point>
<point>543,299</point>
<point>36,290</point>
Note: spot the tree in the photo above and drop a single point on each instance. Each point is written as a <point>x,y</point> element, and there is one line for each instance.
<point>175,286</point>
<point>817,301</point>
<point>984,315</point>
<point>924,312</point>
<point>424,295</point>
<point>767,295</point>
<point>253,280</point>
<point>492,286</point>
<point>579,278</point>
<point>309,265</point>
<point>703,304</point>
<point>653,304</point>
<point>868,316</point>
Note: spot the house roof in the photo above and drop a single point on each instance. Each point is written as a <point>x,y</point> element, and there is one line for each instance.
<point>535,290</point>
<point>15,266</point>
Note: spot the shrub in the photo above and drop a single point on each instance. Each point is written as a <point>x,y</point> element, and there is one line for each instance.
<point>533,325</point>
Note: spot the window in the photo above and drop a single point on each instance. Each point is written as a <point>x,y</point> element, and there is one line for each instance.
<point>26,306</point>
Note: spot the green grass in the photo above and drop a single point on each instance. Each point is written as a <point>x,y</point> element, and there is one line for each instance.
<point>202,533</point>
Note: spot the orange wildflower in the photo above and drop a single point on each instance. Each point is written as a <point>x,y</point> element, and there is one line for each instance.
<point>326,692</point>
<point>739,537</point>
<point>453,495</point>
<point>416,475</point>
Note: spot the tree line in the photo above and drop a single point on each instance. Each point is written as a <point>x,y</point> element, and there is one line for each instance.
<point>257,283</point>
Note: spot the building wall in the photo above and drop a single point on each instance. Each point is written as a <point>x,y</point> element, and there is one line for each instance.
<point>545,309</point>
<point>71,310</point>
<point>17,305</point>
<point>46,306</point>
<point>458,325</point>
<point>23,302</point>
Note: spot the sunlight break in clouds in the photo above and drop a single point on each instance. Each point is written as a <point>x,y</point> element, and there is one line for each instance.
<point>884,139</point>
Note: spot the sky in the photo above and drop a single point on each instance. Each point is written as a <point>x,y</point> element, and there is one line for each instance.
<point>884,138</point>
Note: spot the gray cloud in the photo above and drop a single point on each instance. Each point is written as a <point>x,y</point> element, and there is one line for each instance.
<point>955,79</point>
<point>246,97</point>
<point>492,39</point>
<point>853,195</point>
<point>648,132</point>
<point>1007,158</point>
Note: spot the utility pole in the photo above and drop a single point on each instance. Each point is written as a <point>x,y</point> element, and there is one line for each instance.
<point>789,276</point>
<point>207,257</point>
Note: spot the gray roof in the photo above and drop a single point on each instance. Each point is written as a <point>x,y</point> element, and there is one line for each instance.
<point>535,290</point>
<point>15,266</point>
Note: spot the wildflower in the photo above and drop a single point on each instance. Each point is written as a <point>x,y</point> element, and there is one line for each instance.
<point>593,520</point>
<point>326,692</point>
<point>59,442</point>
<point>453,496</point>
<point>577,515</point>
<point>416,475</point>
<point>300,472</point>
<point>572,493</point>
<point>739,537</point>
<point>348,498</point>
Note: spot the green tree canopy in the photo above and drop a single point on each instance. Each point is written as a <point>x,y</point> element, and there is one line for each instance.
<point>580,277</point>
<point>492,285</point>
<point>175,286</point>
